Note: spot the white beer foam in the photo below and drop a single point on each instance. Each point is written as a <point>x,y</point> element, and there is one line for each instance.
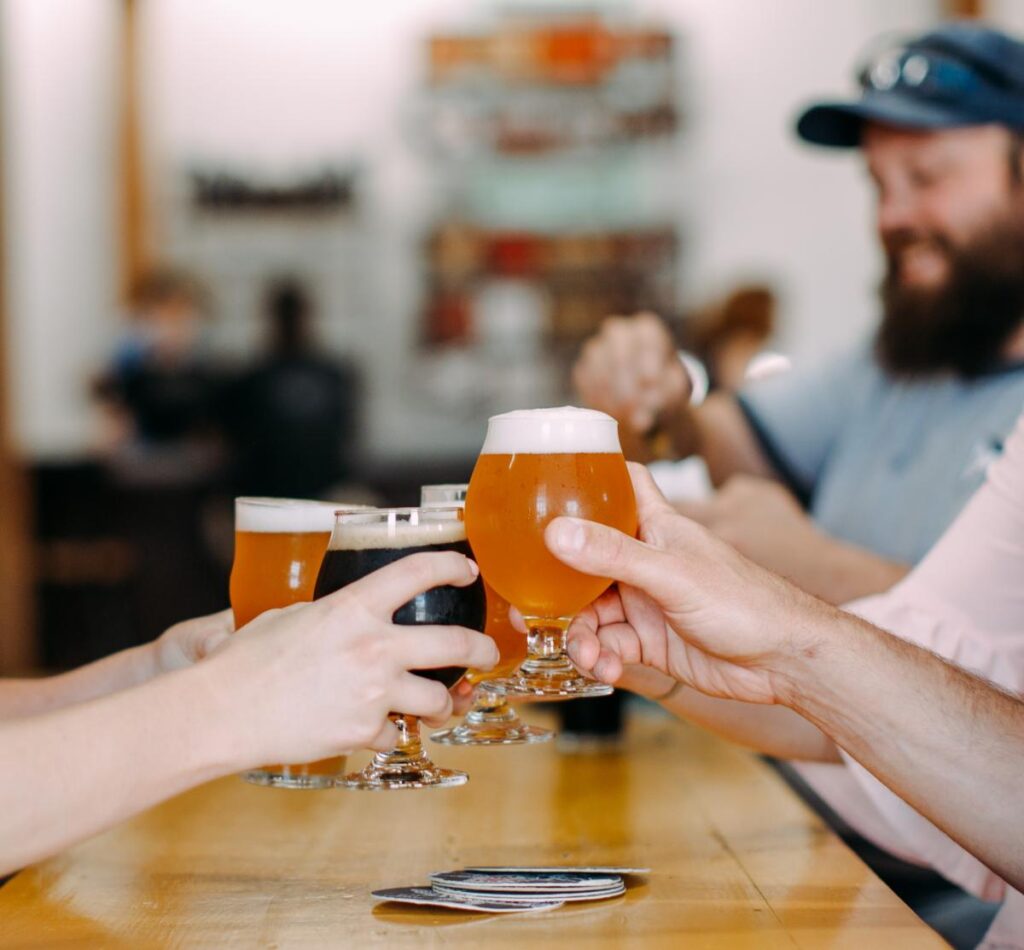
<point>393,534</point>
<point>286,515</point>
<point>566,429</point>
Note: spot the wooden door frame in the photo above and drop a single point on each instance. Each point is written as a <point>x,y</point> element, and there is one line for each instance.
<point>18,642</point>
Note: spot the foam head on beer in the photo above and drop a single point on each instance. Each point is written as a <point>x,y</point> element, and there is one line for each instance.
<point>566,429</point>
<point>535,465</point>
<point>361,531</point>
<point>284,515</point>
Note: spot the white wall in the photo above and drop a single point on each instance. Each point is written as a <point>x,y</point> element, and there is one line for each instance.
<point>59,162</point>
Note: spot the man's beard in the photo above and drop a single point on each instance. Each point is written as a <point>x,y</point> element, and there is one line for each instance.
<point>963,325</point>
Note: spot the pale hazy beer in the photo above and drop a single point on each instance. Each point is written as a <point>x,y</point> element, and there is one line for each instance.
<point>279,545</point>
<point>534,466</point>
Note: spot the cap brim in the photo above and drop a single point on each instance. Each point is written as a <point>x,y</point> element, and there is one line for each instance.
<point>840,124</point>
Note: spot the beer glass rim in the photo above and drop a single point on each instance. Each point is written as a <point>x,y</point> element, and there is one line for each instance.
<point>267,501</point>
<point>400,513</point>
<point>447,488</point>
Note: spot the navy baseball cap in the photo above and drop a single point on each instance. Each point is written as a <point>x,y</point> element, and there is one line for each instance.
<point>958,75</point>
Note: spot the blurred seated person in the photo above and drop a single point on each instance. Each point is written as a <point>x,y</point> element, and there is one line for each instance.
<point>729,336</point>
<point>842,475</point>
<point>926,758</point>
<point>160,387</point>
<point>290,420</point>
<point>87,749</point>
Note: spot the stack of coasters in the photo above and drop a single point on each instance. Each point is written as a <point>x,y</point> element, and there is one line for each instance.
<point>501,890</point>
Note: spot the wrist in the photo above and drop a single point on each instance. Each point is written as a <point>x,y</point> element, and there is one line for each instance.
<point>218,722</point>
<point>816,639</point>
<point>144,663</point>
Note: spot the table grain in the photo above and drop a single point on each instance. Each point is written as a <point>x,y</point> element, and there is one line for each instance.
<point>737,860</point>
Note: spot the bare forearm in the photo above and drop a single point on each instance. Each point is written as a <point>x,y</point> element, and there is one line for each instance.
<point>30,697</point>
<point>771,730</point>
<point>71,773</point>
<point>949,744</point>
<point>719,432</point>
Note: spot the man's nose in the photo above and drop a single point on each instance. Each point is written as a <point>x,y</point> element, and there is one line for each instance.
<point>896,212</point>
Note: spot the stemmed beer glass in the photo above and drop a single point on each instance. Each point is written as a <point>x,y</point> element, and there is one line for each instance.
<point>491,720</point>
<point>534,466</point>
<point>368,539</point>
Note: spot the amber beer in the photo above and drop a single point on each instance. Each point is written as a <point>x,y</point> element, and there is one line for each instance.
<point>516,491</point>
<point>510,642</point>
<point>279,544</point>
<point>534,466</point>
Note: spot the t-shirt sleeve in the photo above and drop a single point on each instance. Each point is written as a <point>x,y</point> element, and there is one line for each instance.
<point>797,416</point>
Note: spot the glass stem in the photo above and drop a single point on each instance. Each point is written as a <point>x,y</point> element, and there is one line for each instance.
<point>408,748</point>
<point>489,707</point>
<point>545,646</point>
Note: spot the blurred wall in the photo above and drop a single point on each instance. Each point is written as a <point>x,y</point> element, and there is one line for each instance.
<point>274,84</point>
<point>59,71</point>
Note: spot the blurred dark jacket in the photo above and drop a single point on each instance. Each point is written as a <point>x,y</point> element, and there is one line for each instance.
<point>290,425</point>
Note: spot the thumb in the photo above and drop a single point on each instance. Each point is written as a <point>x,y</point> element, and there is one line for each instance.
<point>605,552</point>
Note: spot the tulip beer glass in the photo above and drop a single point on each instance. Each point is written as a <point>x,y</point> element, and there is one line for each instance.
<point>534,466</point>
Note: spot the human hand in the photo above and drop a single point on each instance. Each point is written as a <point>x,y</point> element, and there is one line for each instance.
<point>630,370</point>
<point>764,522</point>
<point>190,641</point>
<point>686,605</point>
<point>314,680</point>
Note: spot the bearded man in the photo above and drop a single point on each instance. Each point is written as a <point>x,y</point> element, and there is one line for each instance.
<point>842,476</point>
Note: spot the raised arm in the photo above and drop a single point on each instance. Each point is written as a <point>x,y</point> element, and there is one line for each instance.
<point>948,743</point>
<point>180,646</point>
<point>631,371</point>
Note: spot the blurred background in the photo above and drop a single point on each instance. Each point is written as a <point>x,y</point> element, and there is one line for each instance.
<point>307,247</point>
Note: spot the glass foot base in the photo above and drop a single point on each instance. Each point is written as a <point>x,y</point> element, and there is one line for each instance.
<point>515,732</point>
<point>548,687</point>
<point>277,780</point>
<point>377,779</point>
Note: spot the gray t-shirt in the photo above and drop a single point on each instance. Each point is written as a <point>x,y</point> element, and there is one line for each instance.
<point>881,463</point>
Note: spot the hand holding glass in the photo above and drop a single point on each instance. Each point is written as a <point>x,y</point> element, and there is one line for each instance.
<point>368,539</point>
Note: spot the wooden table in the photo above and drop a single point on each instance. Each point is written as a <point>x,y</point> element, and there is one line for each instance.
<point>737,860</point>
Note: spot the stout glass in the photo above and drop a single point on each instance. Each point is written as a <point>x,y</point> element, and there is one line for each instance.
<point>362,542</point>
<point>534,466</point>
<point>279,544</point>
<point>491,720</point>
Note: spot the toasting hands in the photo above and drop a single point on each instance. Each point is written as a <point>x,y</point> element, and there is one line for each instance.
<point>686,604</point>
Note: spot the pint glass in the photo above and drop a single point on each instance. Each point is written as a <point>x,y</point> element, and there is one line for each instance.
<point>279,544</point>
<point>534,466</point>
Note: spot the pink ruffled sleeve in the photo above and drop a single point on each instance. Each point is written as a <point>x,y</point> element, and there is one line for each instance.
<point>964,601</point>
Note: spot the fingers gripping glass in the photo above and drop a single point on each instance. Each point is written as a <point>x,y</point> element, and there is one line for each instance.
<point>534,466</point>
<point>364,541</point>
<point>491,720</point>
